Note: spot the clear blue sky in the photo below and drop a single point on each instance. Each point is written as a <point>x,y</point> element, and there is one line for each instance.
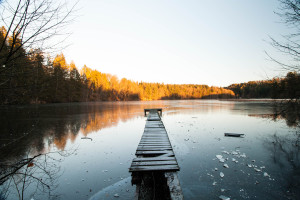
<point>195,41</point>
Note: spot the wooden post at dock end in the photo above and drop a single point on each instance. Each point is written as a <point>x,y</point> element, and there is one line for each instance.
<point>159,110</point>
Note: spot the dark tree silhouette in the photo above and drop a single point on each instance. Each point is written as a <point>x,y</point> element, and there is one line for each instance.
<point>289,45</point>
<point>30,24</point>
<point>39,172</point>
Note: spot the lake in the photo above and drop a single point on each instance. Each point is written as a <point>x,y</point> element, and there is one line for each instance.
<point>84,150</point>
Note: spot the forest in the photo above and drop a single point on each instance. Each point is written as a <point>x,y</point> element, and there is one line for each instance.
<point>287,87</point>
<point>32,78</point>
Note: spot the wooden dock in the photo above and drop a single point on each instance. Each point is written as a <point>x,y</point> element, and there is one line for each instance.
<point>154,170</point>
<point>154,152</point>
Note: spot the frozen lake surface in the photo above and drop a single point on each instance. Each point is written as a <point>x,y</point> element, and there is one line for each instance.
<point>88,147</point>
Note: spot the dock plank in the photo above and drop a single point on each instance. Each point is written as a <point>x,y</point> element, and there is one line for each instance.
<point>154,163</point>
<point>154,151</point>
<point>154,168</point>
<point>170,153</point>
<point>153,159</point>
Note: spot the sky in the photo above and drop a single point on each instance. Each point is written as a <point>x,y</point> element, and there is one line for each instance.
<point>216,43</point>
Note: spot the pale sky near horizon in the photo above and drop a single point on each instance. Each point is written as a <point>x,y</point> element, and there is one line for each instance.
<point>195,41</point>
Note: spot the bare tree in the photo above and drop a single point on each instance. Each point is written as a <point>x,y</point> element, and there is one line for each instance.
<point>289,12</point>
<point>37,175</point>
<point>31,24</point>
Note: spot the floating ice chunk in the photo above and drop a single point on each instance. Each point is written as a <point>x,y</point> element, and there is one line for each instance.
<point>233,159</point>
<point>253,160</point>
<point>221,159</point>
<point>226,152</point>
<point>221,174</point>
<point>266,174</point>
<point>225,165</point>
<point>249,165</point>
<point>257,170</point>
<point>234,153</point>
<point>222,190</point>
<point>216,169</point>
<point>222,197</point>
<point>116,195</point>
<point>214,183</point>
<point>243,155</point>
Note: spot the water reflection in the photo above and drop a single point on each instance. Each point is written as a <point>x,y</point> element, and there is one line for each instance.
<point>35,176</point>
<point>29,133</point>
<point>39,128</point>
<point>290,112</point>
<point>285,148</point>
<point>285,153</point>
<point>197,126</point>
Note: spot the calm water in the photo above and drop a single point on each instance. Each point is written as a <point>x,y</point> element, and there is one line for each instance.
<point>87,149</point>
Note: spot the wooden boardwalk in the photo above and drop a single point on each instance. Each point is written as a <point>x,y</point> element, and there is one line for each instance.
<point>154,152</point>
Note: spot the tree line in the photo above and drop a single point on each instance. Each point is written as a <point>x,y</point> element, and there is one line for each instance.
<point>30,77</point>
<point>287,87</point>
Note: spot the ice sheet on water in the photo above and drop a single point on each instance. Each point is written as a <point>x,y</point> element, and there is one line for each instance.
<point>222,197</point>
<point>257,170</point>
<point>266,174</point>
<point>221,174</point>
<point>116,195</point>
<point>221,159</point>
<point>243,155</point>
<point>123,189</point>
<point>226,152</point>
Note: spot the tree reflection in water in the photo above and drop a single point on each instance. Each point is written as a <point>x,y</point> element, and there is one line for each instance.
<point>285,147</point>
<point>38,130</point>
<point>289,111</point>
<point>32,177</point>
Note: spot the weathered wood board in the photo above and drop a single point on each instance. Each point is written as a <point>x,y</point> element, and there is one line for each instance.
<point>154,152</point>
